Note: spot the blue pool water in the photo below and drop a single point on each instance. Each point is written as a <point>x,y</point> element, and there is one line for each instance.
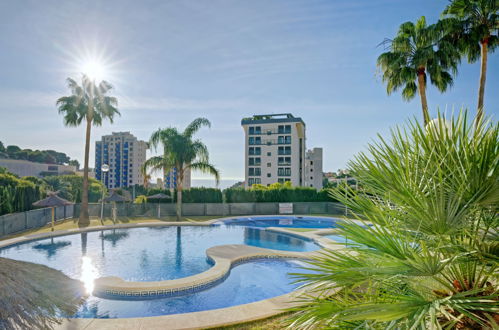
<point>249,282</point>
<point>146,254</point>
<point>281,221</point>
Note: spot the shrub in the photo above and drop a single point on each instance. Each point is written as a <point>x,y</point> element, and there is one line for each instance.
<point>429,261</point>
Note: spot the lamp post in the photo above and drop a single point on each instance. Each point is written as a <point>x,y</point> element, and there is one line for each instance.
<point>104,169</point>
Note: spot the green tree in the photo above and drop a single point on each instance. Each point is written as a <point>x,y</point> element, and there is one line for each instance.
<point>181,152</point>
<point>90,103</point>
<point>418,51</point>
<point>427,255</point>
<point>476,34</point>
<point>2,147</point>
<point>74,162</point>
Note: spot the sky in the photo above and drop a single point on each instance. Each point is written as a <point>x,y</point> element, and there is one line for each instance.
<point>173,61</point>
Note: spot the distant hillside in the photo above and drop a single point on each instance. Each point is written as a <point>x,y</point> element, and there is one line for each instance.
<point>38,156</point>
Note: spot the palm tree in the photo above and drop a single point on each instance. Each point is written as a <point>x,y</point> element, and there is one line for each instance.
<point>477,34</point>
<point>180,152</point>
<point>427,255</point>
<point>87,102</point>
<point>417,51</point>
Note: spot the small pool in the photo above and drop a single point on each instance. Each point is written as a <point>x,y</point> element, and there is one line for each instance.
<point>281,221</point>
<point>249,282</point>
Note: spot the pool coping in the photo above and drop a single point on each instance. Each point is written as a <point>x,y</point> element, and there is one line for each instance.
<point>223,263</point>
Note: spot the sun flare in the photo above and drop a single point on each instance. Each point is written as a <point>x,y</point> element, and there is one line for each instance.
<point>94,69</point>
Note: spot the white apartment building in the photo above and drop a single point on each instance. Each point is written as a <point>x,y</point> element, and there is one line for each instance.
<point>274,149</point>
<point>313,168</point>
<point>125,155</point>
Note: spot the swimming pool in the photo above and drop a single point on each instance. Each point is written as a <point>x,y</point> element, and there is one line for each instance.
<point>148,253</point>
<point>281,221</point>
<point>158,253</point>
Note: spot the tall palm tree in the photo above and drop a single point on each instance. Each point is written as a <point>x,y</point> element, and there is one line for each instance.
<point>181,152</point>
<point>427,254</point>
<point>477,34</point>
<point>88,103</point>
<point>417,51</point>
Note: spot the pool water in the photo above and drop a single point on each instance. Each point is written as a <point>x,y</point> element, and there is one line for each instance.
<point>249,282</point>
<point>281,221</point>
<point>146,254</point>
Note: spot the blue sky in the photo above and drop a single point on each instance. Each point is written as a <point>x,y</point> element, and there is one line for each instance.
<point>173,61</point>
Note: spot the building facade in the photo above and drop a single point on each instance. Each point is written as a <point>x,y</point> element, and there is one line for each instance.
<point>27,168</point>
<point>125,155</point>
<point>171,179</point>
<point>274,149</point>
<point>313,168</point>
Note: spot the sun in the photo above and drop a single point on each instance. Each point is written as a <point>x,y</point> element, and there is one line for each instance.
<point>94,69</point>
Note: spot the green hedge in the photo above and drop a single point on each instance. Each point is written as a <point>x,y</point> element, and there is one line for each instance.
<point>297,194</point>
<point>17,195</point>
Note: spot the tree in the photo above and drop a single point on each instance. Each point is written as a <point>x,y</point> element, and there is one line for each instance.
<point>181,152</point>
<point>2,147</point>
<point>88,103</point>
<point>74,163</point>
<point>418,51</point>
<point>476,35</point>
<point>426,256</point>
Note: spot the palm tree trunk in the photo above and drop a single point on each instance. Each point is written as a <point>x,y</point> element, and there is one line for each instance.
<point>180,178</point>
<point>483,76</point>
<point>84,218</point>
<point>422,94</point>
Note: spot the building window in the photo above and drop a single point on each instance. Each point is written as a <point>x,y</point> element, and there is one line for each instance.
<point>258,151</point>
<point>255,130</point>
<point>311,178</point>
<point>280,140</point>
<point>251,140</point>
<point>287,140</point>
<point>258,140</point>
<point>254,161</point>
<point>280,180</point>
<point>311,163</point>
<point>254,171</point>
<point>311,170</point>
<point>268,175</point>
<point>269,154</point>
<point>269,164</point>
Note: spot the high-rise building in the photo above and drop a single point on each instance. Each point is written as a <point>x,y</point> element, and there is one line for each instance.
<point>313,168</point>
<point>171,179</point>
<point>274,149</point>
<point>125,155</point>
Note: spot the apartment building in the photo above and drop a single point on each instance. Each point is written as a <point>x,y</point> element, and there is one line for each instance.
<point>313,168</point>
<point>125,155</point>
<point>274,149</point>
<point>170,181</point>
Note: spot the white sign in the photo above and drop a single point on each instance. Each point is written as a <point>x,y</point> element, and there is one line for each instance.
<point>286,208</point>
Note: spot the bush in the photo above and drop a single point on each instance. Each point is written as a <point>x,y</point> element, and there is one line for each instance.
<point>430,258</point>
<point>276,194</point>
<point>17,194</point>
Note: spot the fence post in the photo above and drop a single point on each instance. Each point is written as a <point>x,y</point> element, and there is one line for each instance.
<point>25,220</point>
